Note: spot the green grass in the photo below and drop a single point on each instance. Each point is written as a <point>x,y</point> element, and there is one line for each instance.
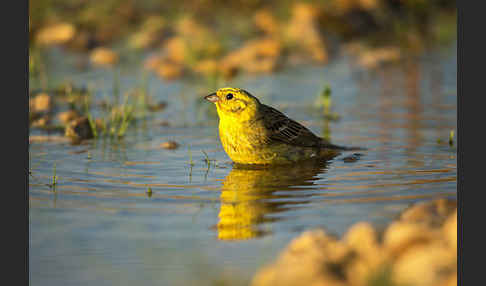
<point>117,117</point>
<point>324,102</point>
<point>206,158</point>
<point>54,179</point>
<point>191,162</point>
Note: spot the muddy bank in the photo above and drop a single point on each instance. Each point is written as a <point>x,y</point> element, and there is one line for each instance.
<point>418,248</point>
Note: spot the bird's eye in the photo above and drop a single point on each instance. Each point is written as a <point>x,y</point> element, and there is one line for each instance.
<point>229,96</point>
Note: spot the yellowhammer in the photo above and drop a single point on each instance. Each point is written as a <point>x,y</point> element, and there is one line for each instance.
<point>255,133</point>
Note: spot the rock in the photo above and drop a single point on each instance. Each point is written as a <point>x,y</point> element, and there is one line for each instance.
<point>177,50</point>
<point>169,70</point>
<point>346,6</point>
<point>79,129</point>
<point>264,65</point>
<point>314,258</point>
<point>207,67</point>
<point>40,103</point>
<point>375,57</point>
<point>400,236</point>
<point>103,57</point>
<point>451,281</point>
<point>67,116</point>
<point>255,56</point>
<point>150,33</point>
<point>193,42</point>
<point>42,122</point>
<point>432,213</point>
<point>199,39</point>
<point>343,6</point>
<point>413,251</point>
<point>266,22</point>
<point>425,265</point>
<point>82,41</point>
<point>55,34</point>
<point>51,138</point>
<point>363,240</point>
<point>303,32</point>
<point>449,231</point>
<point>368,5</point>
<point>170,145</point>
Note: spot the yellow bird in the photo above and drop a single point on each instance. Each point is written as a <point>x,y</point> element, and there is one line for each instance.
<point>255,133</point>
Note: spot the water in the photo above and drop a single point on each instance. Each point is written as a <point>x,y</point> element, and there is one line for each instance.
<point>204,224</point>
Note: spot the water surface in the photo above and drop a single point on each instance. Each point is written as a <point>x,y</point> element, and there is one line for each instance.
<point>203,224</point>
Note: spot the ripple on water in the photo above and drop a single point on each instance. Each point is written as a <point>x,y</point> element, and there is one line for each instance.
<point>222,218</point>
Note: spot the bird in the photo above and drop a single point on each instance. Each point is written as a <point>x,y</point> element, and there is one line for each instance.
<point>253,133</point>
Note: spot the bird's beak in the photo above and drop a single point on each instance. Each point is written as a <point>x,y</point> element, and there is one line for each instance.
<point>212,97</point>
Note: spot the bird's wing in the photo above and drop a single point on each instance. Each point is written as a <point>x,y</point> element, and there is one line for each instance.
<point>280,128</point>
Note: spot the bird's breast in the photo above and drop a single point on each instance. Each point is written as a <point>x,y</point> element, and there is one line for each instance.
<point>239,142</point>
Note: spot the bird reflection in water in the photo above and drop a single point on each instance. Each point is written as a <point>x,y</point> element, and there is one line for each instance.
<point>249,197</point>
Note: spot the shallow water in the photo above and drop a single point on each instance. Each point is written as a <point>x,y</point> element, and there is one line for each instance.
<point>203,224</point>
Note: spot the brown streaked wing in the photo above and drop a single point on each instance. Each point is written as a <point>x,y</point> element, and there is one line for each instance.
<point>283,129</point>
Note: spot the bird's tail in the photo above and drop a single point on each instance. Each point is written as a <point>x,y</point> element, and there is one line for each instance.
<point>343,148</point>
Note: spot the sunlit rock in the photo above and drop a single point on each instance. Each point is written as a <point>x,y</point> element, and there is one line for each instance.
<point>346,6</point>
<point>399,236</point>
<point>55,34</point>
<point>207,67</point>
<point>416,249</point>
<point>374,57</point>
<point>304,35</point>
<point>369,4</point>
<point>103,57</point>
<point>67,116</point>
<point>169,70</point>
<point>177,49</point>
<point>255,56</point>
<point>431,213</point>
<point>425,265</point>
<point>150,33</point>
<point>305,262</point>
<point>266,22</point>
<point>40,103</point>
<point>193,42</point>
<point>449,231</point>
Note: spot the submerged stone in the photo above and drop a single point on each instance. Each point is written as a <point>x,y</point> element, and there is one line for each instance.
<point>170,145</point>
<point>79,129</point>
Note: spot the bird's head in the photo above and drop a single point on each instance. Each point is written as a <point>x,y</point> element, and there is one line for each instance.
<point>234,103</point>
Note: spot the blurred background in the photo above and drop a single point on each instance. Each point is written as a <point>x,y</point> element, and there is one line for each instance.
<point>221,39</point>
